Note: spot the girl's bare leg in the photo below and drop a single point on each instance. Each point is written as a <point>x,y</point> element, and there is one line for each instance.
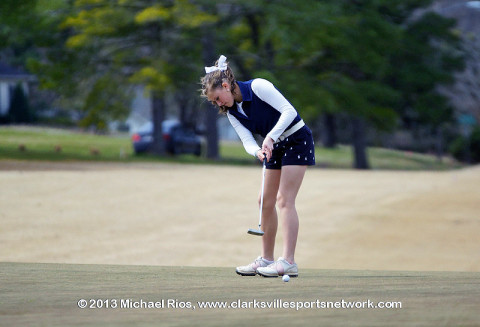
<point>290,181</point>
<point>269,213</point>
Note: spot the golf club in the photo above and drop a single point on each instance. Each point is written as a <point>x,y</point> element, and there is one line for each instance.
<point>259,231</point>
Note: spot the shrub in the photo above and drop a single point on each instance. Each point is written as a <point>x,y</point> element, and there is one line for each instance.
<point>19,110</point>
<point>467,149</point>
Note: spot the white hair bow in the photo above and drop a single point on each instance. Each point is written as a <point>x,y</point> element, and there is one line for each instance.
<point>222,65</point>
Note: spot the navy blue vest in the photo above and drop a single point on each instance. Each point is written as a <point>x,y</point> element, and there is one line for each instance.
<point>262,117</point>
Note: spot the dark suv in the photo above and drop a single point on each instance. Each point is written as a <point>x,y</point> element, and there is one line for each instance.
<point>178,138</point>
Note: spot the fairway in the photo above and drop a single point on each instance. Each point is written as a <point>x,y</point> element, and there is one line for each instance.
<point>191,215</point>
<point>48,295</point>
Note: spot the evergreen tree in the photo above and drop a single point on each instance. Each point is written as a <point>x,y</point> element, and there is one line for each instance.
<point>19,110</point>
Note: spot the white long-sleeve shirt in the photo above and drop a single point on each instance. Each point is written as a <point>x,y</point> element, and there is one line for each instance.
<point>266,92</point>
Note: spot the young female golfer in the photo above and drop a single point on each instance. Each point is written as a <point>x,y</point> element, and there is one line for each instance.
<point>257,107</point>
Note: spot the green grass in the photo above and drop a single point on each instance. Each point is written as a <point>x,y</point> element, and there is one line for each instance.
<point>380,158</point>
<point>47,295</point>
<point>41,144</point>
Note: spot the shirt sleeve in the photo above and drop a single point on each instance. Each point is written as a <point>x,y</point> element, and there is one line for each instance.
<point>245,135</point>
<point>269,94</point>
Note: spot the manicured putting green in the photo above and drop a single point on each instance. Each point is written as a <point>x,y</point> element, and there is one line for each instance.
<point>51,295</point>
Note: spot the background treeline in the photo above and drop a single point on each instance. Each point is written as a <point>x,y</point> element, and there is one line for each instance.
<point>360,72</point>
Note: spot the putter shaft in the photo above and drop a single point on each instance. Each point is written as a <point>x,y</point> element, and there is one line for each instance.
<point>259,232</point>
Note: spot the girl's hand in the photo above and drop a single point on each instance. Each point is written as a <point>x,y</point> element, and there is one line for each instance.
<point>260,155</point>
<point>267,147</point>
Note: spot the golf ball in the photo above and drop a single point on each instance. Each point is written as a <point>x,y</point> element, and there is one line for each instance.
<point>286,278</point>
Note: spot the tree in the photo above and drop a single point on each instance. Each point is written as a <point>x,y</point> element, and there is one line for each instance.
<point>342,53</point>
<point>347,57</point>
<point>16,17</point>
<point>429,56</point>
<point>111,46</point>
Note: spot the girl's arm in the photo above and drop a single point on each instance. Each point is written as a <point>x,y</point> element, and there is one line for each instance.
<point>269,94</point>
<point>245,135</point>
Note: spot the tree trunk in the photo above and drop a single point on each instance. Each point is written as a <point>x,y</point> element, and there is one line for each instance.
<point>158,115</point>
<point>270,55</point>
<point>182,101</point>
<point>329,134</point>
<point>439,144</point>
<point>211,114</point>
<point>359,144</point>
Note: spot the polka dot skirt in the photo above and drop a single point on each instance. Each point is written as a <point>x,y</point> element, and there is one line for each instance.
<point>297,149</point>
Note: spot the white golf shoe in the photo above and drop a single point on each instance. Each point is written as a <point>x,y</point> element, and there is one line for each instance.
<point>279,268</point>
<point>251,269</point>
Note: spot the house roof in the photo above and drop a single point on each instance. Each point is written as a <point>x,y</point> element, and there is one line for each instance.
<point>9,71</point>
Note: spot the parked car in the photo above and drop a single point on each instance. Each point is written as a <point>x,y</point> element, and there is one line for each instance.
<point>178,138</point>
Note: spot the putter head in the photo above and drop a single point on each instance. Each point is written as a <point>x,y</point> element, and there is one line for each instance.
<point>257,232</point>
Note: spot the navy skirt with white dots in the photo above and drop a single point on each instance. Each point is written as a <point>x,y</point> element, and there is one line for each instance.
<point>296,150</point>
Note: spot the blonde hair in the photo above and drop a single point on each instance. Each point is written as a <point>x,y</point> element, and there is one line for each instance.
<point>214,80</point>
